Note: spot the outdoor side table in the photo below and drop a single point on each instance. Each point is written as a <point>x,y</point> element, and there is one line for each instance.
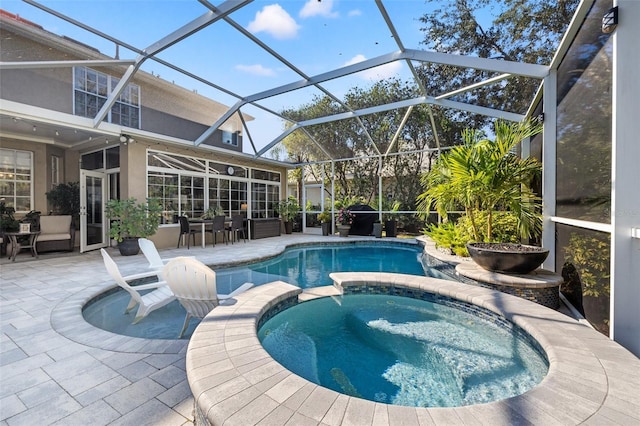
<point>16,246</point>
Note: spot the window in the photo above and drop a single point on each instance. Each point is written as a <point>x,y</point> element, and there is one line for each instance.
<point>230,195</point>
<point>230,138</point>
<point>266,175</point>
<point>55,170</point>
<point>264,198</point>
<point>91,89</point>
<point>16,179</point>
<point>191,196</point>
<point>164,187</point>
<point>189,185</point>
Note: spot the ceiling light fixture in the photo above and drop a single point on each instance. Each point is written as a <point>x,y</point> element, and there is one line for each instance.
<point>126,138</point>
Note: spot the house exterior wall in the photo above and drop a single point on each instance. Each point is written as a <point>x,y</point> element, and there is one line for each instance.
<point>166,108</point>
<point>167,112</point>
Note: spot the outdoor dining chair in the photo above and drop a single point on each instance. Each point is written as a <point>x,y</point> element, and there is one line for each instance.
<point>185,229</point>
<point>217,227</point>
<point>237,226</point>
<point>194,285</point>
<point>148,302</point>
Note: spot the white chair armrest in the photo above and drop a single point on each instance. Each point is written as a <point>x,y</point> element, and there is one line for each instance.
<point>244,287</point>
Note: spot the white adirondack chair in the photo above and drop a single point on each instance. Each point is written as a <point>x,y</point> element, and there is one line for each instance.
<point>156,263</point>
<point>148,302</point>
<point>194,285</point>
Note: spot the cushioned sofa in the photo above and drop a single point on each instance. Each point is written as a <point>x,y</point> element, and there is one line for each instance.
<point>56,233</point>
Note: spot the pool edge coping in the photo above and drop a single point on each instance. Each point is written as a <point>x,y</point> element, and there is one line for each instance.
<point>234,379</point>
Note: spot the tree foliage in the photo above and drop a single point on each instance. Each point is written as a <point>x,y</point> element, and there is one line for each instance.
<point>365,141</point>
<point>512,30</point>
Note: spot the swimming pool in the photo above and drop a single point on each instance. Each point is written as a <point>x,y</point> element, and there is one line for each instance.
<point>309,266</point>
<point>404,351</point>
<point>305,266</point>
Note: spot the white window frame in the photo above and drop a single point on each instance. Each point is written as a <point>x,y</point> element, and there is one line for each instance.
<point>10,200</point>
<point>131,90</point>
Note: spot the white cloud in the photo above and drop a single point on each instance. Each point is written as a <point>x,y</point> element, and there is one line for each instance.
<point>274,20</point>
<point>318,8</point>
<point>378,73</point>
<point>354,12</point>
<point>256,69</point>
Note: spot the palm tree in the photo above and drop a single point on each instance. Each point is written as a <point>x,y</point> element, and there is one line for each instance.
<point>483,174</point>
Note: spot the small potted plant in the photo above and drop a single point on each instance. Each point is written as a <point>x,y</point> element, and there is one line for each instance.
<point>131,220</point>
<point>287,210</point>
<point>325,222</point>
<point>344,221</point>
<point>212,212</point>
<point>390,222</point>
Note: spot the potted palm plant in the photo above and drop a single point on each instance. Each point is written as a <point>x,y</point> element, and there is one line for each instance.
<point>287,210</point>
<point>484,177</point>
<point>131,220</point>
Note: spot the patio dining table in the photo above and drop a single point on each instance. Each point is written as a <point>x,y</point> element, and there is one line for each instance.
<point>204,222</point>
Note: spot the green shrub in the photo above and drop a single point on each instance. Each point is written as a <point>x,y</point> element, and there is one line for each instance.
<point>505,227</point>
<point>448,236</point>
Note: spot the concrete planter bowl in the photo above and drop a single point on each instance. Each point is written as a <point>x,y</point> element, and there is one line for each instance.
<point>507,258</point>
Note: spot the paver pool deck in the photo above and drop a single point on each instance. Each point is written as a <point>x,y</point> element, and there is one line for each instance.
<point>56,369</point>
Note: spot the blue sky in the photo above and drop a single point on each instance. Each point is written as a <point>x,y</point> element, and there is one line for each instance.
<point>316,36</point>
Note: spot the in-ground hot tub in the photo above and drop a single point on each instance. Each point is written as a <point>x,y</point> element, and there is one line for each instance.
<point>425,350</point>
<point>234,380</point>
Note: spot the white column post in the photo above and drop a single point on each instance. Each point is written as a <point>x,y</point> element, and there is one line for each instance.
<point>625,196</point>
<point>549,169</point>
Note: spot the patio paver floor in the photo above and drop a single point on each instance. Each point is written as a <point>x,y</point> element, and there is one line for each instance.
<point>56,371</point>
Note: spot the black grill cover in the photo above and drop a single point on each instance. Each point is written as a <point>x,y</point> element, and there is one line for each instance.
<point>363,222</point>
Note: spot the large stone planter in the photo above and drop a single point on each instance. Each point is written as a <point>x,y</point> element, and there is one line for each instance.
<point>507,258</point>
<point>344,230</point>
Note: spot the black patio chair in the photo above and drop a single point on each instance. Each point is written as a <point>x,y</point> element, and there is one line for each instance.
<point>185,229</point>
<point>237,226</point>
<point>217,227</point>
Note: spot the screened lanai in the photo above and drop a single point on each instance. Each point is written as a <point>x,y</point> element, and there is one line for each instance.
<point>392,50</point>
<point>288,77</point>
<point>285,72</point>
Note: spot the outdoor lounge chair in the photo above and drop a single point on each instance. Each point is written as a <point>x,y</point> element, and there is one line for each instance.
<point>156,263</point>
<point>148,302</point>
<point>194,285</point>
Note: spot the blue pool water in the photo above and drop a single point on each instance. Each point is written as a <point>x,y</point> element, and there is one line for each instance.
<point>310,265</point>
<point>402,351</point>
<point>305,266</point>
